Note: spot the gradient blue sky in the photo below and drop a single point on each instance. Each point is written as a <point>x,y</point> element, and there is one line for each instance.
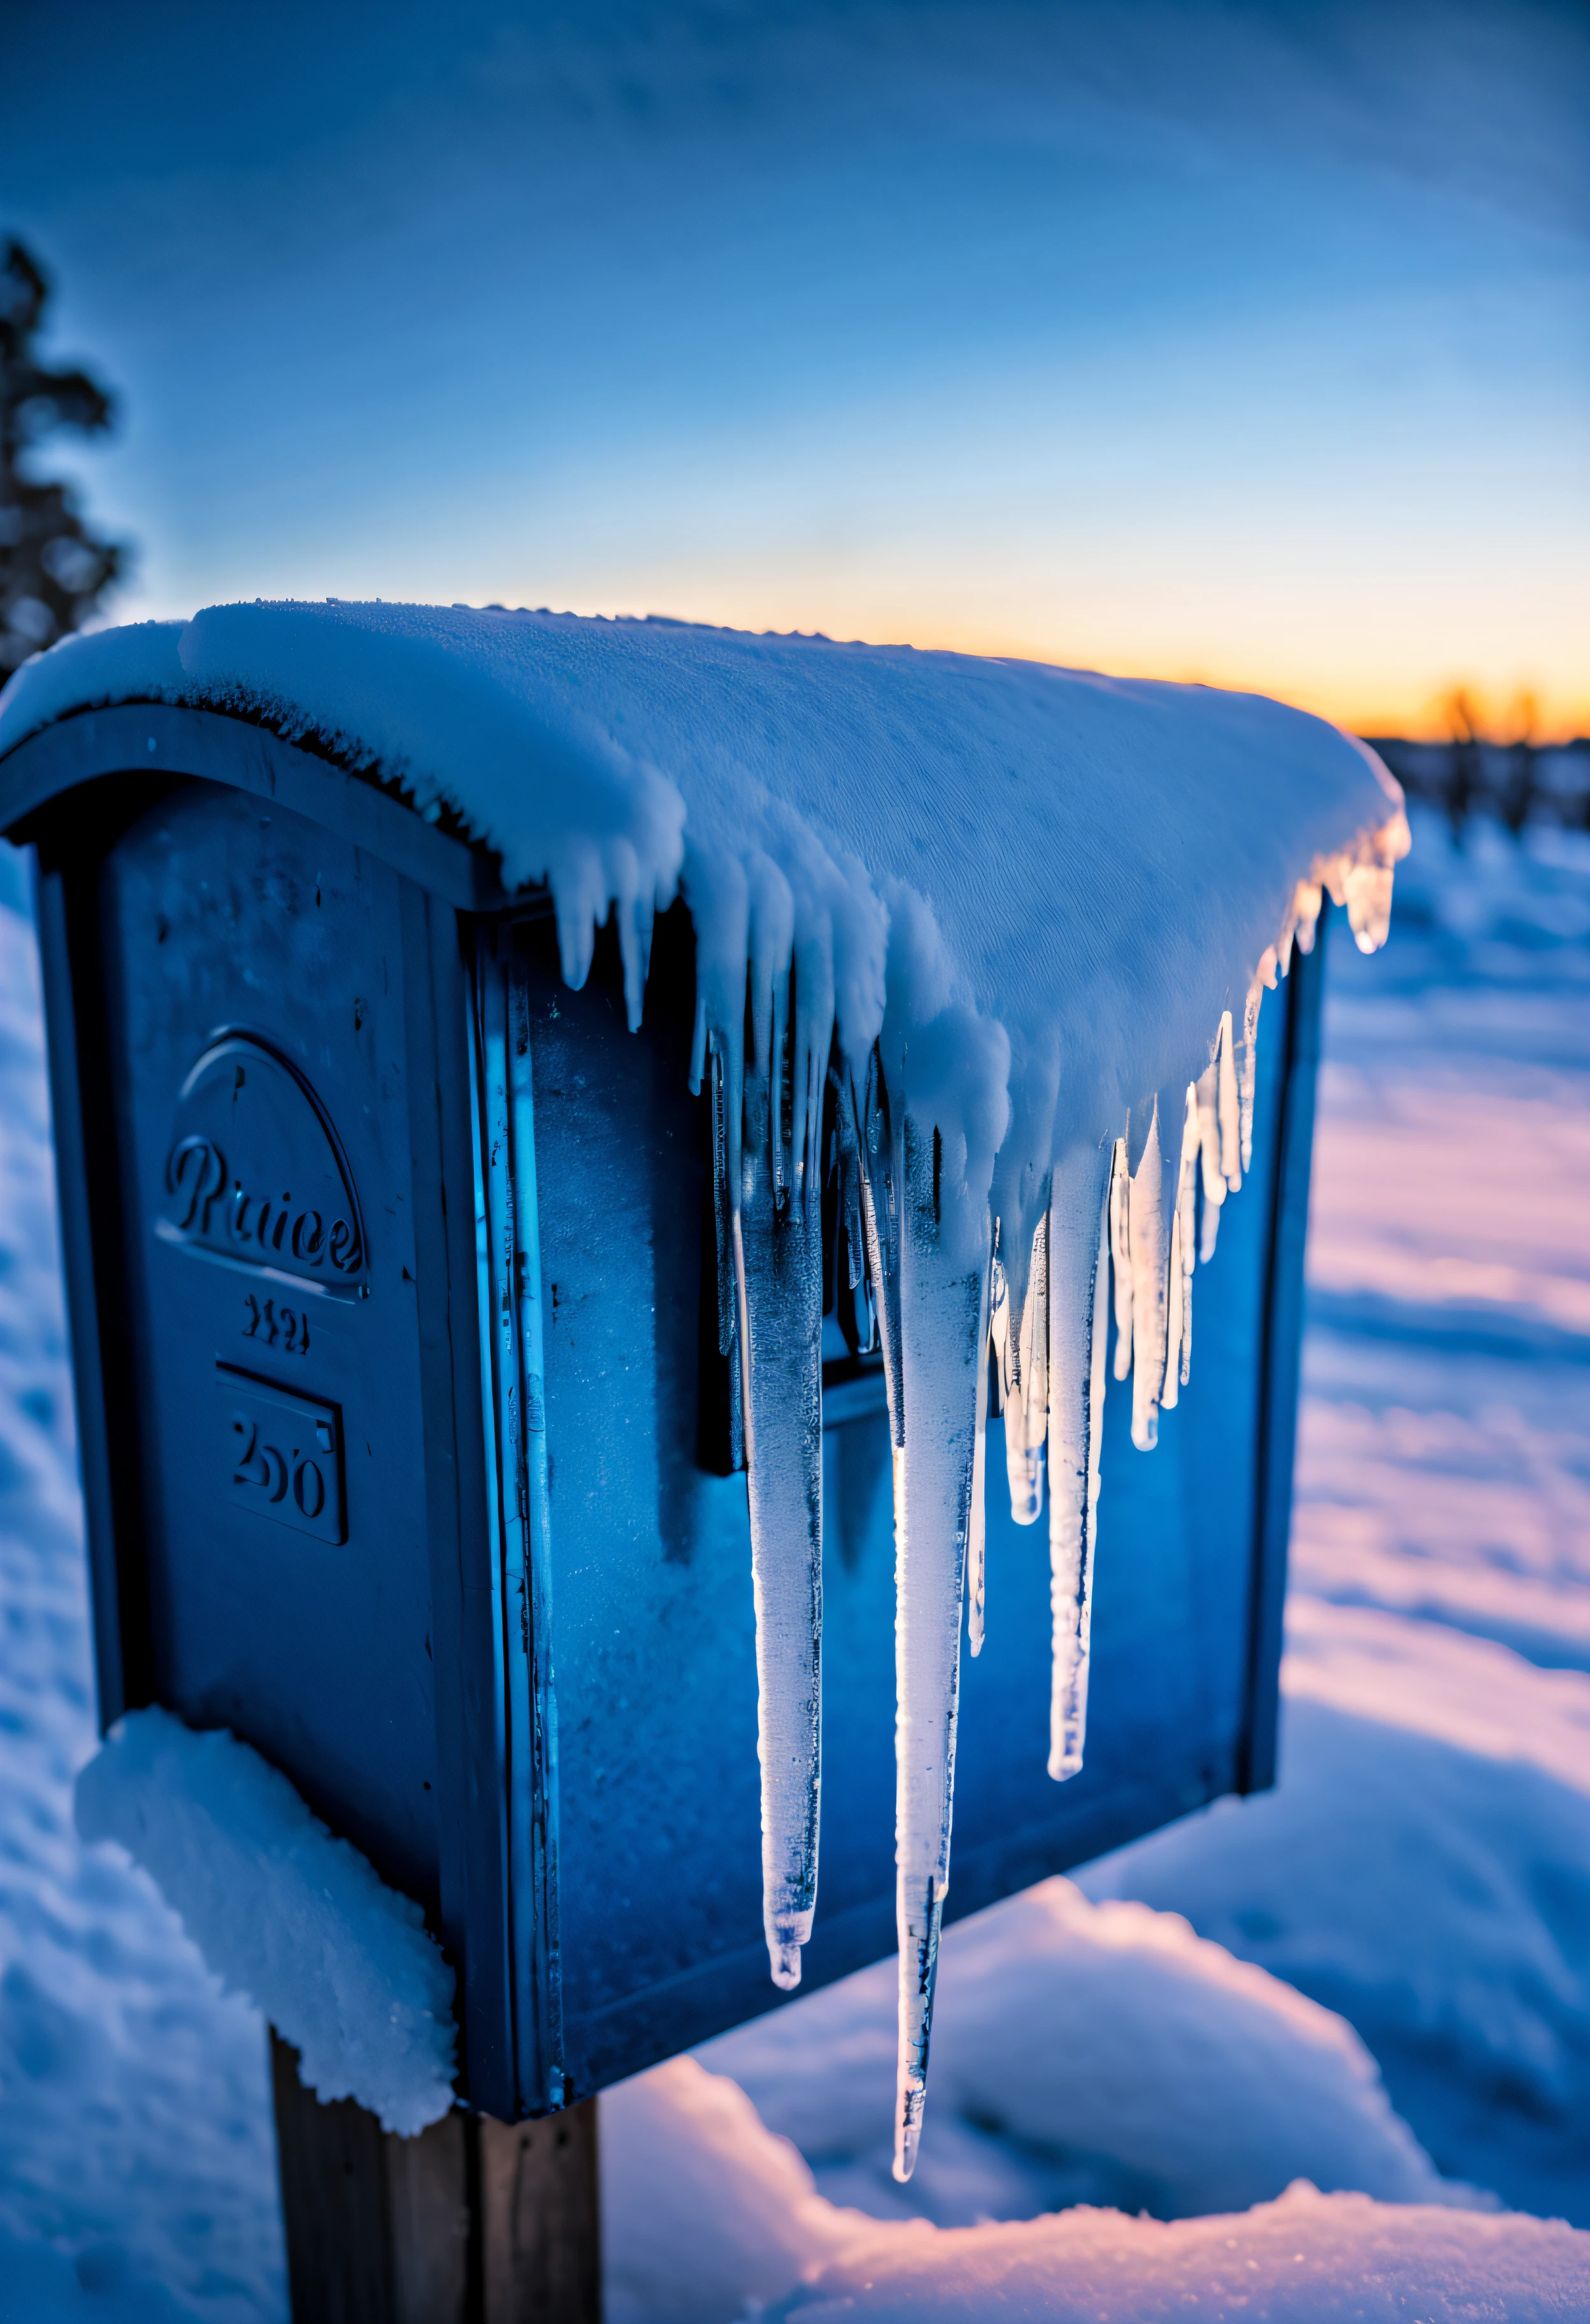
<point>1243,342</point>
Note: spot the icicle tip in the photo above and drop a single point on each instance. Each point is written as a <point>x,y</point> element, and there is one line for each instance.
<point>908,2131</point>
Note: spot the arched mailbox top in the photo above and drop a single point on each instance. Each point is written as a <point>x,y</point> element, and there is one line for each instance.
<point>130,750</point>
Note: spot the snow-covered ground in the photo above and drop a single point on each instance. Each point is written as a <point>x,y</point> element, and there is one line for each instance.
<point>1414,1898</point>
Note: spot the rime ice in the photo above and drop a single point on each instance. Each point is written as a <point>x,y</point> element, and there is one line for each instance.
<point>985,942</point>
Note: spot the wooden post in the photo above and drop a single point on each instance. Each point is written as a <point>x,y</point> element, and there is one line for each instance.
<point>473,2222</point>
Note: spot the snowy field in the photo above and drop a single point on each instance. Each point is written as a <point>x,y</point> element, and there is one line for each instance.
<point>1375,1980</point>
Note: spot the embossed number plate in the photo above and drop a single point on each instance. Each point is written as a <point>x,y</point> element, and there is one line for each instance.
<point>283,1455</point>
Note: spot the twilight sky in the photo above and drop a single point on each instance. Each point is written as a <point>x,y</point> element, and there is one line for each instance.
<point>1247,343</point>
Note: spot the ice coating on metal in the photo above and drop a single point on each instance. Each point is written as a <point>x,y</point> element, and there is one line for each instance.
<point>1001,906</point>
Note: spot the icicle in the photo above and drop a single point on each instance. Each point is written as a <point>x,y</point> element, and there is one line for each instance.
<point>1247,1075</point>
<point>977,1519</point>
<point>1227,1108</point>
<point>875,1151</point>
<point>1208,1126</point>
<point>1026,1396</point>
<point>1078,1246</point>
<point>1302,916</point>
<point>1366,892</point>
<point>725,1178</point>
<point>1307,906</point>
<point>999,1318</point>
<point>1120,1246</point>
<point>1146,1233</point>
<point>1171,1385</point>
<point>941,1341</point>
<point>777,1247</point>
<point>854,1314</point>
<point>1187,1212</point>
<point>1179,1309</point>
<point>766,1146</point>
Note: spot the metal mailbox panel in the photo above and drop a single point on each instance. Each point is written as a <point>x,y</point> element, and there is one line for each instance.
<point>651,1604</point>
<point>254,979</point>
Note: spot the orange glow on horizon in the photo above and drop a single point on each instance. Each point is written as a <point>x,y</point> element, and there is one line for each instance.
<point>1417,710</point>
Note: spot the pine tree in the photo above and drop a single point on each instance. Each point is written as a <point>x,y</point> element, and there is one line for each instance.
<point>53,569</point>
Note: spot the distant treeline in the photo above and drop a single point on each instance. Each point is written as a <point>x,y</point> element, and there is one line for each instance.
<point>1515,782</point>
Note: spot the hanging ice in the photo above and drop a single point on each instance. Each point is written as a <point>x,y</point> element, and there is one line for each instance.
<point>1184,1253</point>
<point>1079,1281</point>
<point>779,1255</point>
<point>1019,1339</point>
<point>1148,1257</point>
<point>976,1521</point>
<point>942,1349</point>
<point>767,1089</point>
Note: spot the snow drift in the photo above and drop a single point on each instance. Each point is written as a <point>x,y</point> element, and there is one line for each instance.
<point>721,2220</point>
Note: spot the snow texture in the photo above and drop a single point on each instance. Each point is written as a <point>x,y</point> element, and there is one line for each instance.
<point>339,1963</point>
<point>1303,2259</point>
<point>726,2222</point>
<point>1014,911</point>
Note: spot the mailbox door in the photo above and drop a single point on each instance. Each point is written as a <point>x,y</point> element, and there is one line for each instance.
<point>254,974</point>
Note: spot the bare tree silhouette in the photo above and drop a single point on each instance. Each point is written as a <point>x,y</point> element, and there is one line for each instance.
<point>52,567</point>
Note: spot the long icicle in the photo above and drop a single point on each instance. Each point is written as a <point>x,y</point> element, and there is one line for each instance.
<point>1147,1244</point>
<point>1208,1126</point>
<point>1187,1211</point>
<point>1078,1333</point>
<point>1179,1313</point>
<point>778,1271</point>
<point>976,1522</point>
<point>1228,1110</point>
<point>1247,1071</point>
<point>942,1345</point>
<point>1120,1251</point>
<point>1026,1404</point>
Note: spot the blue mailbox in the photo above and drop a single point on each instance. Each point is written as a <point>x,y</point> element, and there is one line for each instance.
<point>409,1435</point>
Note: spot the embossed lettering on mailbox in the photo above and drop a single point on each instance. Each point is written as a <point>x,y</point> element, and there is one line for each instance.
<point>256,1175</point>
<point>282,1455</point>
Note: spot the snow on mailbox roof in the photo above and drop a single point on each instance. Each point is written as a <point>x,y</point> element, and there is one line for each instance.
<point>1003,930</point>
<point>1095,865</point>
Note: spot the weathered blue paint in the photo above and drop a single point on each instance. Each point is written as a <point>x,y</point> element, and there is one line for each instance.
<point>524,1682</point>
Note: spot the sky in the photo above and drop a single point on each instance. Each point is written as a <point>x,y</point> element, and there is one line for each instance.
<point>1240,343</point>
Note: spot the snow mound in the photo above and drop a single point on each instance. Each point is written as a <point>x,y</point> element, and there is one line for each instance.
<point>705,2211</point>
<point>710,2217</point>
<point>1307,2258</point>
<point>341,1964</point>
<point>1422,1868</point>
<point>1094,2053</point>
